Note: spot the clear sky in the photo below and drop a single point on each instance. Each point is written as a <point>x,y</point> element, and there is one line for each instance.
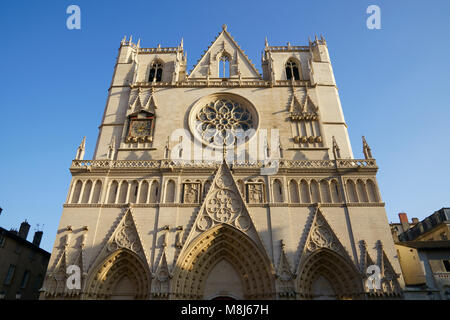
<point>393,83</point>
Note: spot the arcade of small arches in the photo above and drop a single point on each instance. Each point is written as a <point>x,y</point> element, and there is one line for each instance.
<point>324,191</point>
<point>193,191</point>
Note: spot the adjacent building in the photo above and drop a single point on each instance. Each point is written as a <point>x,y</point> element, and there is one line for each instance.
<point>424,253</point>
<point>23,264</point>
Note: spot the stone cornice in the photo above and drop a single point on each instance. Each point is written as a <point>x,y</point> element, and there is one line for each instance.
<point>287,48</point>
<point>222,83</point>
<point>342,166</point>
<point>194,205</point>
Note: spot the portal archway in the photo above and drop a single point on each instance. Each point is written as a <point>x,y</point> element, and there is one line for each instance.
<point>327,275</point>
<point>240,253</point>
<point>122,275</point>
<point>223,280</point>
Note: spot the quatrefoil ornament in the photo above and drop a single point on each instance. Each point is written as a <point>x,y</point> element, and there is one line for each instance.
<point>223,206</point>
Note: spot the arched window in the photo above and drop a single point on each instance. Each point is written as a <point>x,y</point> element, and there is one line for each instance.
<point>277,191</point>
<point>77,192</point>
<point>325,191</point>
<point>224,66</point>
<point>304,192</point>
<point>372,191</point>
<point>335,192</point>
<point>143,192</point>
<point>362,195</point>
<point>97,192</point>
<point>134,191</point>
<point>351,191</point>
<point>123,192</point>
<point>87,192</point>
<point>113,192</point>
<point>154,192</point>
<point>170,192</point>
<point>315,193</point>
<point>156,72</point>
<point>292,70</point>
<point>293,191</point>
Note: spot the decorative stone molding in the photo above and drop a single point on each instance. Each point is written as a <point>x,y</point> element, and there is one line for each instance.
<point>161,279</point>
<point>284,164</point>
<point>191,192</point>
<point>223,242</point>
<point>284,276</point>
<point>126,237</point>
<point>321,236</point>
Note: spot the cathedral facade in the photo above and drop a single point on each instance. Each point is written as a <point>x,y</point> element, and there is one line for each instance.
<point>223,183</point>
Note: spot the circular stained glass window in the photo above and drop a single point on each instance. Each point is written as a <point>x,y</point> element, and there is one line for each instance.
<point>224,121</point>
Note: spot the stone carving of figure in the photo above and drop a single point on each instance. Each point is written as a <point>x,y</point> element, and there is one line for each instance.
<point>255,194</point>
<point>191,191</point>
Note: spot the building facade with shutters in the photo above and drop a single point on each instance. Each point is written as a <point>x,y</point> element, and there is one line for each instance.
<point>223,183</point>
<point>22,264</point>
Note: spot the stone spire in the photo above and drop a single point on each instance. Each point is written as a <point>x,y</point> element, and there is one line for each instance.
<point>366,149</point>
<point>167,148</point>
<point>112,149</point>
<point>81,149</point>
<point>336,150</point>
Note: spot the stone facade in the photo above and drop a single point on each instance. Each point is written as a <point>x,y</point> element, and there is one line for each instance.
<point>424,254</point>
<point>22,264</point>
<point>174,207</point>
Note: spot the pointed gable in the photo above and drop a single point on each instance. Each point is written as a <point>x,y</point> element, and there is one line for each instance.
<point>284,270</point>
<point>306,110</point>
<point>161,278</point>
<point>284,275</point>
<point>151,104</point>
<point>321,235</point>
<point>143,100</point>
<point>224,44</point>
<point>366,260</point>
<point>389,277</point>
<point>223,204</point>
<point>125,235</point>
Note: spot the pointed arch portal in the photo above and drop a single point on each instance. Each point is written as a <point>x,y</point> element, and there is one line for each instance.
<point>121,276</point>
<point>228,249</point>
<point>327,275</point>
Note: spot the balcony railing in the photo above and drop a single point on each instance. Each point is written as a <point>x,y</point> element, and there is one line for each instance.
<point>227,82</point>
<point>283,164</point>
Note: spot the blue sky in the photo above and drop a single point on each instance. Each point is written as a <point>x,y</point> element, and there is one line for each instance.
<point>393,83</point>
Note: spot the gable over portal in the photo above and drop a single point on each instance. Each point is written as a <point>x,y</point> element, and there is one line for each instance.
<point>224,47</point>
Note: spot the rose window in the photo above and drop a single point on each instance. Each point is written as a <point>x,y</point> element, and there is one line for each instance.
<point>224,122</point>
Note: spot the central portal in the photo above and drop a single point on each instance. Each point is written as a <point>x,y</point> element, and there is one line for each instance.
<point>223,282</point>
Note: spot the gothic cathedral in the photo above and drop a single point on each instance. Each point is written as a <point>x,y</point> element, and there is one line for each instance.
<point>223,183</point>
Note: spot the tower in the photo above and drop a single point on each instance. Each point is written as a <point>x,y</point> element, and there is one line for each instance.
<point>224,182</point>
